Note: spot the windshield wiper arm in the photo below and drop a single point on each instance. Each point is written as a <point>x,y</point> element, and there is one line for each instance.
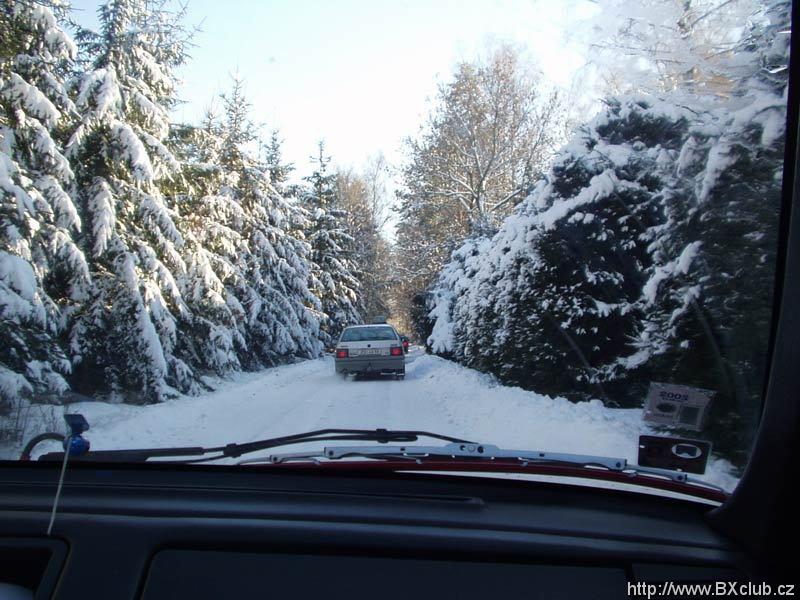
<point>458,449</point>
<point>489,452</point>
<point>382,436</point>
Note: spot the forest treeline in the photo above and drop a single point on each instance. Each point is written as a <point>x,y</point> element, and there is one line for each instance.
<point>647,250</point>
<point>139,255</point>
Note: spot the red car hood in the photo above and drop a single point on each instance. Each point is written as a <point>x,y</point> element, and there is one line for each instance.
<point>501,466</point>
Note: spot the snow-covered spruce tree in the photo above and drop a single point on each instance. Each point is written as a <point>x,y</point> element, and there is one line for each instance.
<point>214,336</point>
<point>281,313</point>
<point>710,290</point>
<point>279,171</point>
<point>451,298</point>
<point>124,340</point>
<point>333,274</point>
<point>553,298</point>
<point>43,273</point>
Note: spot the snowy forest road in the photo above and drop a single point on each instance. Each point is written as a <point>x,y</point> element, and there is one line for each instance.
<point>281,401</point>
<point>437,395</point>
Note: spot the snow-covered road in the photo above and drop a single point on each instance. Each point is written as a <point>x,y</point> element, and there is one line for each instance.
<point>437,395</point>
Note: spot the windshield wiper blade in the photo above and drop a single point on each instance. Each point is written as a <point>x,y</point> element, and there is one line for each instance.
<point>471,450</point>
<point>382,436</point>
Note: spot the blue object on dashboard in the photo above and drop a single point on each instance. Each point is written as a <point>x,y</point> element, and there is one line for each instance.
<point>75,444</point>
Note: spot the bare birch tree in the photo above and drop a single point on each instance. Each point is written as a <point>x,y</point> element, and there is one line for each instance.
<point>364,198</point>
<point>487,139</point>
<point>659,46</point>
<point>489,135</point>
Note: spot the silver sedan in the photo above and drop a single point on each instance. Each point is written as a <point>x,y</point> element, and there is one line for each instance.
<point>370,349</point>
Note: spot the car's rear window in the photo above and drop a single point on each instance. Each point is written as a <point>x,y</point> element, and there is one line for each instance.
<point>368,334</point>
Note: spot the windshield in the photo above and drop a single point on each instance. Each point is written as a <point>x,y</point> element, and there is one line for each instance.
<point>368,334</point>
<point>570,209</point>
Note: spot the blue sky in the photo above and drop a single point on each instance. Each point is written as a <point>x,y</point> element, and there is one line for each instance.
<point>355,73</point>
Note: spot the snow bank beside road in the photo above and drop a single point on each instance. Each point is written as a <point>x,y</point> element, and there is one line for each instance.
<point>511,417</point>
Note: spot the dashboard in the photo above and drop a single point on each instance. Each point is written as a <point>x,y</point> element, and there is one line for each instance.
<point>205,532</point>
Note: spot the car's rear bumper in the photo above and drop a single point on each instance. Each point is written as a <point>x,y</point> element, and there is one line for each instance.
<point>371,364</point>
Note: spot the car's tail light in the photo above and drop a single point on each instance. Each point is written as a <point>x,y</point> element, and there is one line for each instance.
<point>341,353</point>
<point>396,351</point>
<point>405,344</point>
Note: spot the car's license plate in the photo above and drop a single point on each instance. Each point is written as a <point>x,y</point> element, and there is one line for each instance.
<point>372,351</point>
